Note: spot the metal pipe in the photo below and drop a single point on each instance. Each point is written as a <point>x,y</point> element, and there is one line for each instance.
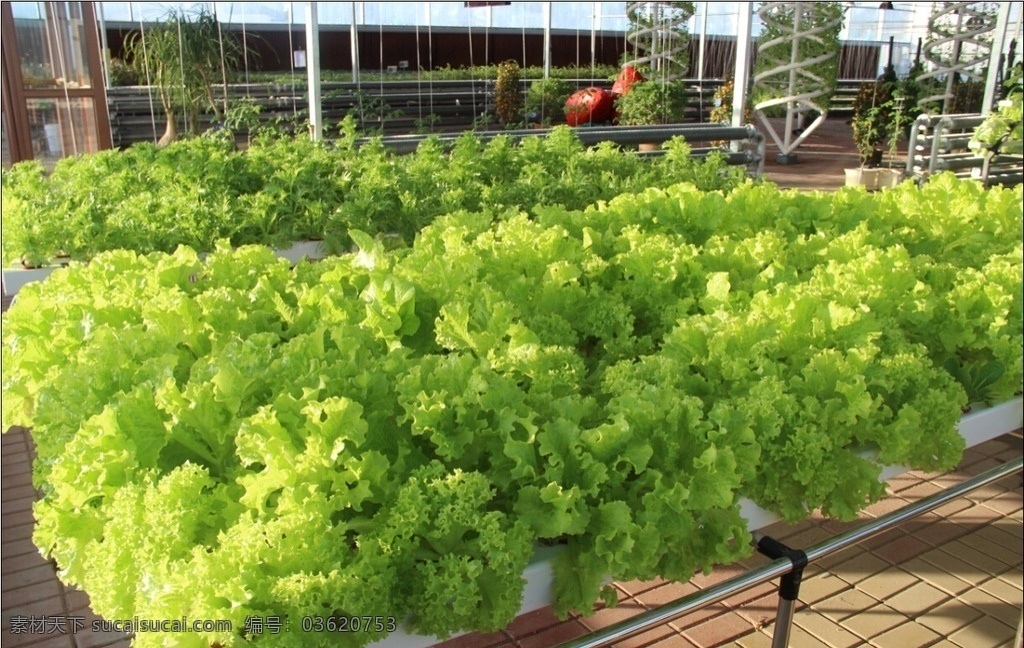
<point>546,13</point>
<point>353,45</point>
<point>783,623</point>
<point>683,606</point>
<point>861,533</point>
<point>777,568</point>
<point>589,136</point>
<point>741,75</point>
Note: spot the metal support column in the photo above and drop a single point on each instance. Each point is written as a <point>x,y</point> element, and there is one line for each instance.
<point>789,585</point>
<point>547,39</point>
<point>998,41</point>
<point>700,56</point>
<point>354,37</point>
<point>741,76</point>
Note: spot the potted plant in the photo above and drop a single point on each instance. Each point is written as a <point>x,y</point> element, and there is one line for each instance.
<point>545,100</point>
<point>183,57</point>
<point>508,93</point>
<point>879,118</point>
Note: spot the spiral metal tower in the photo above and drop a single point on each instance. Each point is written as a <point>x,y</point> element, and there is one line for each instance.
<point>798,63</point>
<point>959,46</point>
<point>658,36</point>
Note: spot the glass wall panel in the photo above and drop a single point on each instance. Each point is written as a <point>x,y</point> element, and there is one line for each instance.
<point>61,127</point>
<point>51,41</point>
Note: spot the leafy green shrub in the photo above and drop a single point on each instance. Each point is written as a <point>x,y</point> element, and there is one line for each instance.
<point>652,102</point>
<point>545,100</point>
<point>508,94</point>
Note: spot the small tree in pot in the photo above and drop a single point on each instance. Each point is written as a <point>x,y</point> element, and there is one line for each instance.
<point>183,57</point>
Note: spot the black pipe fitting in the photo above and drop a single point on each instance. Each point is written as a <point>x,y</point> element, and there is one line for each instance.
<point>789,585</point>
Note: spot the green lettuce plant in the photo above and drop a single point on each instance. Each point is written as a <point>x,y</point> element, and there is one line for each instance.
<point>393,433</point>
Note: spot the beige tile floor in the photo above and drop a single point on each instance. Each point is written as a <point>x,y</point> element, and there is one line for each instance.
<point>950,578</point>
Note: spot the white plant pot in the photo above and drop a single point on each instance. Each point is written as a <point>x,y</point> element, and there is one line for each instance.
<point>309,250</point>
<point>16,276</point>
<point>872,179</point>
<point>976,427</point>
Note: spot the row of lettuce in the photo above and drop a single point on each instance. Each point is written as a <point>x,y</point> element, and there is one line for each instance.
<point>393,432</point>
<point>284,189</point>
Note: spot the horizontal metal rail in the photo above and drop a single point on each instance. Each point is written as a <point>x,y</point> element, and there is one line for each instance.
<point>591,135</point>
<point>752,158</point>
<point>692,603</point>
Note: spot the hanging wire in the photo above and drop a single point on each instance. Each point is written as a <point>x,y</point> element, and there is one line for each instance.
<point>430,53</point>
<point>223,65</point>
<point>181,66</point>
<point>149,81</point>
<point>291,59</point>
<point>245,52</point>
<point>419,83</point>
<point>64,75</point>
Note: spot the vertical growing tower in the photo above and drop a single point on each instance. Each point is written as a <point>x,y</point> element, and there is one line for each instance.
<point>797,66</point>
<point>659,38</point>
<point>959,49</point>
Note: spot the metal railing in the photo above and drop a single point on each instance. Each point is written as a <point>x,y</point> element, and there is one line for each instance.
<point>789,564</point>
<point>939,143</point>
<point>749,137</point>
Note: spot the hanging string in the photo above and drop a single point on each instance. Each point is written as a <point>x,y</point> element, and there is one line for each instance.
<point>472,72</point>
<point>291,58</point>
<point>149,81</point>
<point>64,75</point>
<point>522,24</point>
<point>577,48</point>
<point>181,66</point>
<point>380,37</point>
<point>419,83</point>
<point>245,52</point>
<point>223,66</point>
<point>430,52</point>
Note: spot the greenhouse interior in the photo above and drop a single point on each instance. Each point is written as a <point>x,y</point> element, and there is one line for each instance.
<point>415,324</point>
